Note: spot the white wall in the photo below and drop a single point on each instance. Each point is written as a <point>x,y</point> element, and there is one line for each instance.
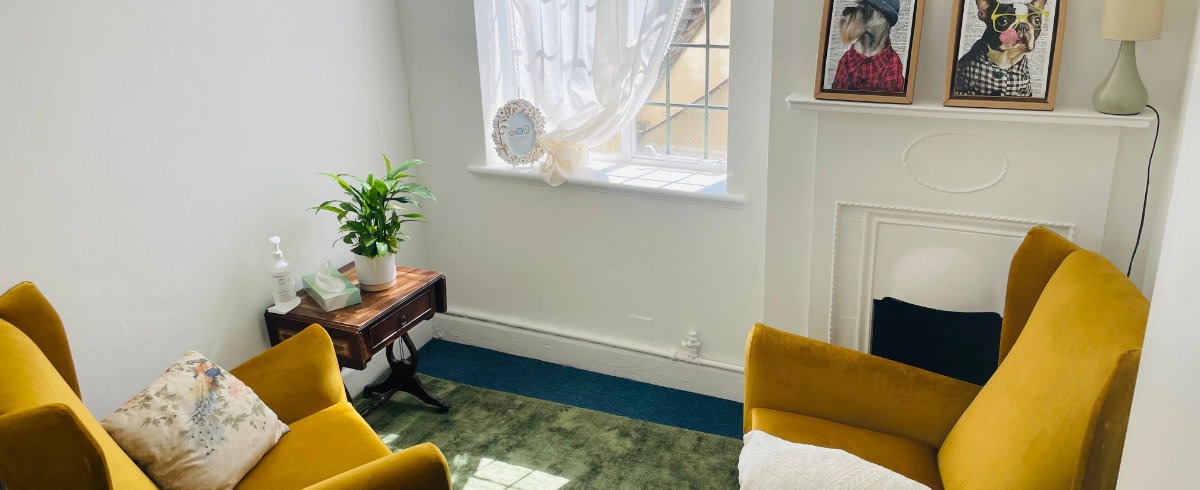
<point>577,260</point>
<point>147,149</point>
<point>1092,176</point>
<point>1160,449</point>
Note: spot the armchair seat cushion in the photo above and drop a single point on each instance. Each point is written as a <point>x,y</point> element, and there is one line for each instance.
<point>319,446</point>
<point>913,459</point>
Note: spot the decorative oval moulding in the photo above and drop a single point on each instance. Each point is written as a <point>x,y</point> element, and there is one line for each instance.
<point>955,161</point>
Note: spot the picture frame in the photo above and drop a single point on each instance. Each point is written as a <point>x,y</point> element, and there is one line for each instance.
<point>517,133</point>
<point>869,50</point>
<point>993,63</point>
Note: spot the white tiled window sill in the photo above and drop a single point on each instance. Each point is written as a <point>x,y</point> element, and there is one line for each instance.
<point>669,184</point>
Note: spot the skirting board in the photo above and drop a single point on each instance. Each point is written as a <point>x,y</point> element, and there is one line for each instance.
<point>613,361</point>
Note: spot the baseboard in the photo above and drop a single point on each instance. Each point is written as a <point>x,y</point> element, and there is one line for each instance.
<point>521,339</point>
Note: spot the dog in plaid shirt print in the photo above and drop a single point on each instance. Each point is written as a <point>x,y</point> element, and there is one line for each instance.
<point>870,65</point>
<point>997,64</point>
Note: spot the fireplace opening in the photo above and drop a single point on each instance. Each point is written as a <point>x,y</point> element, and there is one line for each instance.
<point>961,345</point>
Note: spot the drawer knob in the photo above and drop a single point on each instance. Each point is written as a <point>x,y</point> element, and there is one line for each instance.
<point>403,319</point>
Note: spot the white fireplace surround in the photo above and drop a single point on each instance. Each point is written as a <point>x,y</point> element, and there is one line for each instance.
<point>939,259</point>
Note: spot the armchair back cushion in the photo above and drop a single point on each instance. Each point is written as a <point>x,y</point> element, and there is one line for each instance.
<point>1035,262</point>
<point>30,380</point>
<point>1033,423</point>
<point>27,309</point>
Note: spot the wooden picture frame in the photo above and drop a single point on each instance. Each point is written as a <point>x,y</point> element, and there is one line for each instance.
<point>860,79</point>
<point>971,69</point>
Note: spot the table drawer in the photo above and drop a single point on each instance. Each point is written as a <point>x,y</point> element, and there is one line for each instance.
<point>341,347</point>
<point>412,312</point>
<point>350,349</point>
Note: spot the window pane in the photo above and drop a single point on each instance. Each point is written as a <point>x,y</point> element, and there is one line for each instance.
<point>687,76</point>
<point>718,77</point>
<point>687,133</point>
<point>720,21</point>
<point>691,25</point>
<point>651,131</point>
<point>659,94</point>
<point>671,124</point>
<point>610,147</point>
<point>718,134</point>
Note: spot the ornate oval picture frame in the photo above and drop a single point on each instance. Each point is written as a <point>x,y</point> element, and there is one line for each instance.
<point>517,132</point>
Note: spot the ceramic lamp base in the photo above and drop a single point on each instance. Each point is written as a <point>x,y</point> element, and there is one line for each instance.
<point>1122,91</point>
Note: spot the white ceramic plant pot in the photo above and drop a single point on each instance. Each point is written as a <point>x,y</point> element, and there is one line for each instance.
<point>375,273</point>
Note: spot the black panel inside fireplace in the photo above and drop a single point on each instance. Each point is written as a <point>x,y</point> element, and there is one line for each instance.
<point>956,344</point>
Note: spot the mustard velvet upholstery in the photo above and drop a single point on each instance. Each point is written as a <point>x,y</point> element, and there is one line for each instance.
<point>1031,425</point>
<point>418,467</point>
<point>1104,457</point>
<point>790,373</point>
<point>916,460</point>
<point>29,381</point>
<point>307,356</point>
<point>1053,416</point>
<point>52,436</point>
<point>1035,261</point>
<point>48,439</point>
<point>25,308</point>
<point>310,442</point>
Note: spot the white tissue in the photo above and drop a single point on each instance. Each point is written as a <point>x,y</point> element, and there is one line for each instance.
<point>326,282</point>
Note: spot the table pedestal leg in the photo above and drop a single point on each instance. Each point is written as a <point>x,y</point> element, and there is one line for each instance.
<point>403,377</point>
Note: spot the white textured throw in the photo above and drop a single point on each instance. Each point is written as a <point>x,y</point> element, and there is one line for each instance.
<point>768,463</point>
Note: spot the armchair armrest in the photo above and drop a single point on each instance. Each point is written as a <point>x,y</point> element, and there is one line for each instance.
<point>298,377</point>
<point>48,447</point>
<point>421,466</point>
<point>791,373</point>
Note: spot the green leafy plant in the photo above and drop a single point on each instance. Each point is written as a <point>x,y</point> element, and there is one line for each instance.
<point>372,217</point>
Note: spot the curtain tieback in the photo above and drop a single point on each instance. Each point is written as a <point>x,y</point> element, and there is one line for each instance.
<point>562,158</point>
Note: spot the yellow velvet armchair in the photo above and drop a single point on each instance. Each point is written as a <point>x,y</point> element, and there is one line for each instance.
<point>49,440</point>
<point>1052,416</point>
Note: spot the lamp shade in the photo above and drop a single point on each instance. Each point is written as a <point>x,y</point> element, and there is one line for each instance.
<point>1132,20</point>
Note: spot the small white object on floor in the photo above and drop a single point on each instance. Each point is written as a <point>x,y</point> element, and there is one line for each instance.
<point>768,463</point>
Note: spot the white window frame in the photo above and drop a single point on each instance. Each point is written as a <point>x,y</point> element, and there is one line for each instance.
<point>721,197</point>
<point>628,153</point>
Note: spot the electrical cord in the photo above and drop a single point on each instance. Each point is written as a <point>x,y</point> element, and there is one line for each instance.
<point>1146,194</point>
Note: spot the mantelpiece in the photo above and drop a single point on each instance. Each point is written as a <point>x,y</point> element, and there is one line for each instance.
<point>1063,114</point>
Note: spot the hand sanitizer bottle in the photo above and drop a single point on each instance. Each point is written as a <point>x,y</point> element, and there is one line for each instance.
<point>283,285</point>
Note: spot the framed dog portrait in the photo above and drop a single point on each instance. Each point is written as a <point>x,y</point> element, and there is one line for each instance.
<point>1004,53</point>
<point>869,50</point>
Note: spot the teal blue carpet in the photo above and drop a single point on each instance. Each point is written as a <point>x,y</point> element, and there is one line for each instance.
<point>570,386</point>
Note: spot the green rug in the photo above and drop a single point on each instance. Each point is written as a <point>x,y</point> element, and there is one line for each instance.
<point>497,440</point>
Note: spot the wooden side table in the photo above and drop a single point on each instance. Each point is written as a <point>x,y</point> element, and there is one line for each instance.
<point>361,331</point>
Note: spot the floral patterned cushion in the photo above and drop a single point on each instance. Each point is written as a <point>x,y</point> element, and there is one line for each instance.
<point>196,426</point>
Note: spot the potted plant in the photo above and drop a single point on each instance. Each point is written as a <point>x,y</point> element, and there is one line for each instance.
<point>372,217</point>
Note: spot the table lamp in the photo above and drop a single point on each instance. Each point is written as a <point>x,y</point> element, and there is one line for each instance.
<point>1122,91</point>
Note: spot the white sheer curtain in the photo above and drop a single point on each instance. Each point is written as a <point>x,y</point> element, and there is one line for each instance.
<point>589,65</point>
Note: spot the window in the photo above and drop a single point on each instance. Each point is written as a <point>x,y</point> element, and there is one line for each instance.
<point>662,65</point>
<point>686,118</point>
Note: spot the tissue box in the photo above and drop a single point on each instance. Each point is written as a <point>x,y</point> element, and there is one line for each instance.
<point>348,296</point>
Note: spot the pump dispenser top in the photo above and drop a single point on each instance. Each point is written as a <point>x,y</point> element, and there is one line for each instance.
<point>277,253</point>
